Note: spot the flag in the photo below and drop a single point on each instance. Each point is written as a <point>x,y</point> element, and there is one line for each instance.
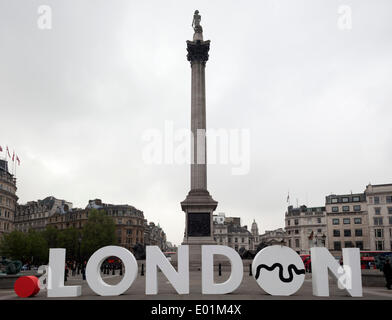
<point>8,152</point>
<point>288,197</point>
<point>311,236</point>
<point>1,149</point>
<point>17,159</point>
<point>13,156</point>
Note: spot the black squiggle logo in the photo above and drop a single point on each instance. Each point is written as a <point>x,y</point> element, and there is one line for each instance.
<point>290,269</point>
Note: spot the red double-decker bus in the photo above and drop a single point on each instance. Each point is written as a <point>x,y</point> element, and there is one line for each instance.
<point>374,259</point>
<point>369,259</point>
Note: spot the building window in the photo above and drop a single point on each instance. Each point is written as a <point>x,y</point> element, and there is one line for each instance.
<point>296,222</point>
<point>379,233</point>
<point>377,211</point>
<point>389,199</point>
<point>357,220</point>
<point>348,244</point>
<point>359,244</point>
<point>376,200</point>
<point>334,200</point>
<point>347,232</point>
<point>335,209</point>
<point>296,231</point>
<point>297,243</point>
<point>242,240</point>
<point>346,208</point>
<point>336,233</point>
<point>356,199</point>
<point>235,240</point>
<point>377,221</point>
<point>288,222</point>
<point>290,243</point>
<point>335,221</point>
<point>389,210</point>
<point>337,246</point>
<point>379,245</point>
<point>357,208</point>
<point>318,220</point>
<point>390,221</point>
<point>346,221</point>
<point>358,232</point>
<point>345,199</point>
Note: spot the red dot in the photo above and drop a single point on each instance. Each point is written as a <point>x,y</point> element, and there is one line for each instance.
<point>27,286</point>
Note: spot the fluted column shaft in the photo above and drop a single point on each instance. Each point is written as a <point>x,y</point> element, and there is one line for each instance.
<point>198,127</point>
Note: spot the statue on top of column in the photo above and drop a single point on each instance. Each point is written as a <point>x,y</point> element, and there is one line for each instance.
<point>196,22</point>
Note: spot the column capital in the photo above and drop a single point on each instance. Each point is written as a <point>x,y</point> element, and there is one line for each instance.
<point>198,51</point>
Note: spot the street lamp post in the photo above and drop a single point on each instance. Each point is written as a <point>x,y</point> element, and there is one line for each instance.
<point>80,241</point>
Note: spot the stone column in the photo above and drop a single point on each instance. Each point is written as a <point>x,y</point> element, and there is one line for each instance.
<point>198,120</point>
<point>198,205</point>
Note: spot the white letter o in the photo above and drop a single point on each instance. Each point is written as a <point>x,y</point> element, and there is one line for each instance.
<point>93,275</point>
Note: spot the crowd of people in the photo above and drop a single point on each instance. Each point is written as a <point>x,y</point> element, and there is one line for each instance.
<point>75,268</point>
<point>109,266</point>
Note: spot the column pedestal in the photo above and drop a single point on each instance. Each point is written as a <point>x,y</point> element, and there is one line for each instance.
<point>198,207</point>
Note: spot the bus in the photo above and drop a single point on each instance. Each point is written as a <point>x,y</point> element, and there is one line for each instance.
<point>374,259</point>
<point>169,254</point>
<point>369,259</point>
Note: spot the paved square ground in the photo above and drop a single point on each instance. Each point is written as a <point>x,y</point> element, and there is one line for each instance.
<point>248,290</point>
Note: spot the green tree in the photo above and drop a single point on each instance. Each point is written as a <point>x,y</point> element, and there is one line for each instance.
<point>99,231</point>
<point>15,245</point>
<point>37,247</point>
<point>69,240</point>
<point>51,236</point>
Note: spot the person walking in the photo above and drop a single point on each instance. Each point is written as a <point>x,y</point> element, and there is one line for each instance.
<point>66,273</point>
<point>84,270</point>
<point>74,268</point>
<point>387,269</point>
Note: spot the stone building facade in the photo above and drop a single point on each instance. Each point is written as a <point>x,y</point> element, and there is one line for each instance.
<point>379,207</point>
<point>273,237</point>
<point>347,222</point>
<point>8,199</point>
<point>305,227</point>
<point>229,232</point>
<point>255,234</point>
<point>129,221</point>
<point>155,236</point>
<point>35,214</point>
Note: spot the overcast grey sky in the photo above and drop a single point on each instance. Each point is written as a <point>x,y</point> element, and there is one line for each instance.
<point>76,99</point>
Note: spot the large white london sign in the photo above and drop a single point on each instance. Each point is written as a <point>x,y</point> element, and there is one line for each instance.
<point>278,270</point>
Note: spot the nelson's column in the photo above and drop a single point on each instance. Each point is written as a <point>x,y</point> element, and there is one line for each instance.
<point>198,205</point>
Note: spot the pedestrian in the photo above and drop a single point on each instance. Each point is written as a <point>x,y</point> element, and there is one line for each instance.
<point>66,273</point>
<point>73,268</point>
<point>387,269</point>
<point>84,271</point>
